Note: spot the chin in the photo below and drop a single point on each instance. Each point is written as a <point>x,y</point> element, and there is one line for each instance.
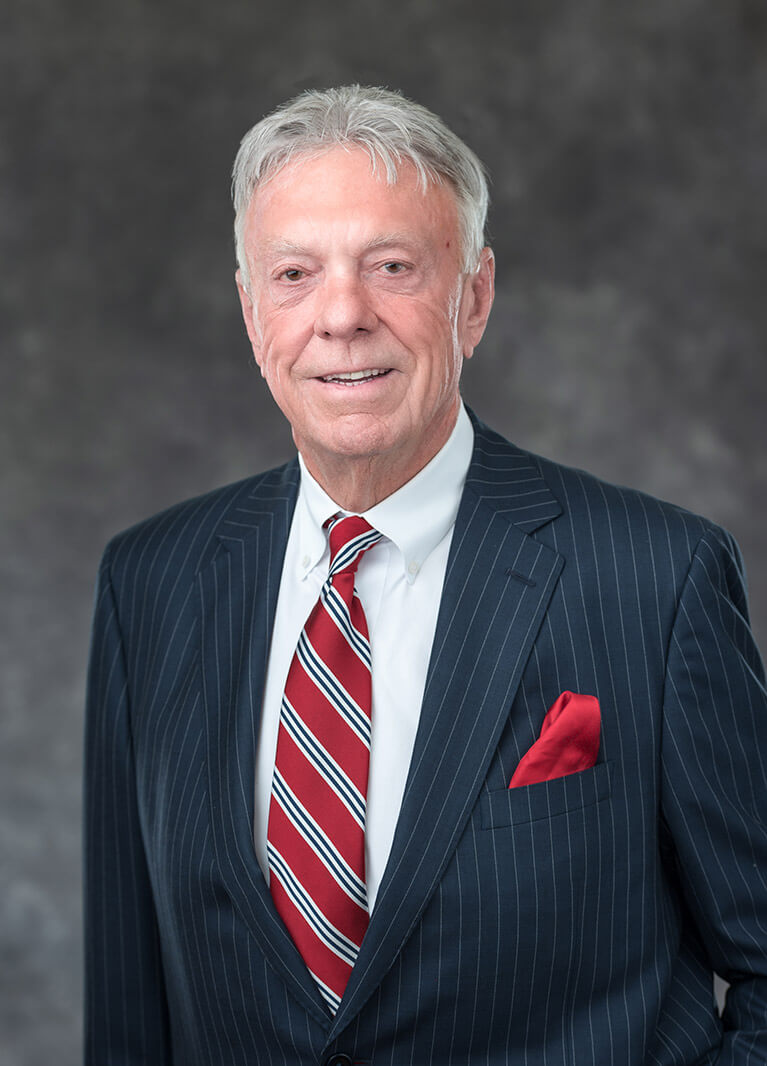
<point>358,438</point>
<point>359,446</point>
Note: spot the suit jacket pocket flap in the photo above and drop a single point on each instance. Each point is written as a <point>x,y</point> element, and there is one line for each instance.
<point>511,806</point>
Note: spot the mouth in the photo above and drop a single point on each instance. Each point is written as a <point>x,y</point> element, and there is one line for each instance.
<point>354,377</point>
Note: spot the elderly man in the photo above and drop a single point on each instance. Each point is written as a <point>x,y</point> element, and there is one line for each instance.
<point>419,749</point>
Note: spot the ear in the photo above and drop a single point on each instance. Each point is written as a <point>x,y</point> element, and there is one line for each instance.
<point>249,317</point>
<point>478,299</point>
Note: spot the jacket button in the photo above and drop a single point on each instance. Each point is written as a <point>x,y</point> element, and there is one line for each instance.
<point>338,1060</point>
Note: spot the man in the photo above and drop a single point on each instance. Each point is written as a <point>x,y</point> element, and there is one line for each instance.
<point>420,749</point>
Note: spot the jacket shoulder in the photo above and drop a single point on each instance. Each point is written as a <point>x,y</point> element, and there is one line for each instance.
<point>586,494</point>
<point>188,535</point>
<point>603,510</point>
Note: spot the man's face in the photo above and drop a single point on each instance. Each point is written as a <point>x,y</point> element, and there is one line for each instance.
<point>358,311</point>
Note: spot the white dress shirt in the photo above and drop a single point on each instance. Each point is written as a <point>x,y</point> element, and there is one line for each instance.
<point>399,581</point>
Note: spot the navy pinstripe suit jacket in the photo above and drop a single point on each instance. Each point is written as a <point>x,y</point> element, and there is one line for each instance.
<point>575,921</point>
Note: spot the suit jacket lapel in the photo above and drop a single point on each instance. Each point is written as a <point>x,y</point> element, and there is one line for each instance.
<point>498,584</point>
<point>238,598</point>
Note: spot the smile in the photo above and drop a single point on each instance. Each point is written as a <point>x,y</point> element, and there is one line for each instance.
<point>354,377</point>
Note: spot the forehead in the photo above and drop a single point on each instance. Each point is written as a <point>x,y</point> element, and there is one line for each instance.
<point>342,187</point>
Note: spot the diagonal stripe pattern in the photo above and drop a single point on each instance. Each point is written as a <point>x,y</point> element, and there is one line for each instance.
<point>316,834</point>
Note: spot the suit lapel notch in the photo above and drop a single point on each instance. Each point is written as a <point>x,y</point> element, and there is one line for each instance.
<point>509,480</point>
<point>268,503</point>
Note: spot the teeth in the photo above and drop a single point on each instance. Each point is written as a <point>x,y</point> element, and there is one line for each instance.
<point>355,375</point>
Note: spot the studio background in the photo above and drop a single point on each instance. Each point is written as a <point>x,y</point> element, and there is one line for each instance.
<point>626,144</point>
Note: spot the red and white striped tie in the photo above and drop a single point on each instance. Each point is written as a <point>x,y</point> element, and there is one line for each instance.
<point>316,834</point>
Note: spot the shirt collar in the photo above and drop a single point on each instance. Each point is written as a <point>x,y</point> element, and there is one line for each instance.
<point>415,518</point>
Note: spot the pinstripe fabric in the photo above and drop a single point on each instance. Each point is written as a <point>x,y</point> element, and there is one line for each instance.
<point>575,921</point>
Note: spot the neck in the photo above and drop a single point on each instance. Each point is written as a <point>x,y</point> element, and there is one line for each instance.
<point>357,485</point>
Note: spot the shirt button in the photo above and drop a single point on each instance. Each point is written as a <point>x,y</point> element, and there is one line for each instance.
<point>338,1060</point>
<point>305,561</point>
<point>413,568</point>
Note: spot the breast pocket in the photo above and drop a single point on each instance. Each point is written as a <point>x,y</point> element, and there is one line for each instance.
<point>546,799</point>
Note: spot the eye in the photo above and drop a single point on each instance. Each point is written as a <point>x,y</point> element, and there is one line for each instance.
<point>292,274</point>
<point>393,267</point>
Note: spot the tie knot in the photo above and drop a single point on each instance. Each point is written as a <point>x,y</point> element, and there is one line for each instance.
<point>350,537</point>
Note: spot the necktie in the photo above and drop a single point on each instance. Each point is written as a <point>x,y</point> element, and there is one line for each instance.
<point>316,832</point>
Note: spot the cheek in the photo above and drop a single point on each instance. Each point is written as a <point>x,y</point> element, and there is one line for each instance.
<point>281,343</point>
<point>432,339</point>
<point>418,324</point>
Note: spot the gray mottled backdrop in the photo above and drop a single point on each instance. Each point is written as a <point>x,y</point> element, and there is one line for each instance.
<point>628,151</point>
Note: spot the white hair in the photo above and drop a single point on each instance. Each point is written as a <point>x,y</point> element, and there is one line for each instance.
<point>391,128</point>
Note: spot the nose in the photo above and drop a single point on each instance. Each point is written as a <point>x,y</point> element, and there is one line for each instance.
<point>344,308</point>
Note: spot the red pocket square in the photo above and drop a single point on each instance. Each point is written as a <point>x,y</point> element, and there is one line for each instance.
<point>569,741</point>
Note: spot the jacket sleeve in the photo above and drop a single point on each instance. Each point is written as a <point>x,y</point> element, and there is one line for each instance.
<point>715,786</point>
<point>126,1018</point>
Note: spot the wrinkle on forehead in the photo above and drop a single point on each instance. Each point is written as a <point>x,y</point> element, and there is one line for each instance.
<point>291,169</point>
<point>383,164</point>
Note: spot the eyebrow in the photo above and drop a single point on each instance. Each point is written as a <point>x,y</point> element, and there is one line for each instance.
<point>279,246</point>
<point>387,239</point>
